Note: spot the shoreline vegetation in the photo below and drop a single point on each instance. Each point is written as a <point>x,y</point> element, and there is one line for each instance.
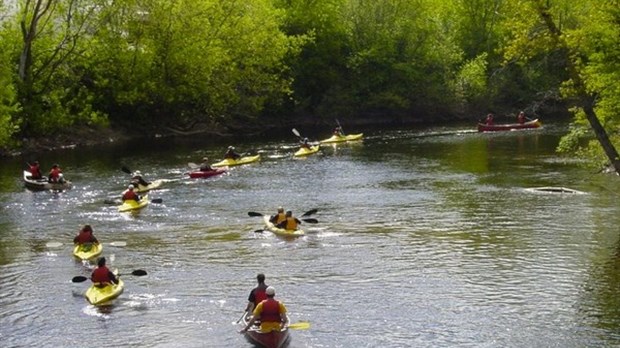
<point>77,73</point>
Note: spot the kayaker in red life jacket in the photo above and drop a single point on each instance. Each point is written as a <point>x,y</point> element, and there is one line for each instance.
<point>279,217</point>
<point>489,120</point>
<point>102,276</point>
<point>257,295</point>
<point>205,166</point>
<point>55,174</point>
<point>85,236</point>
<point>35,170</point>
<point>130,194</point>
<point>230,153</point>
<point>272,314</point>
<point>137,179</point>
<point>290,223</point>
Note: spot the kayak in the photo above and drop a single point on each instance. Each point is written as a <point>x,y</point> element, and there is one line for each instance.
<point>304,151</point>
<point>340,139</point>
<point>153,185</point>
<point>280,231</point>
<point>131,204</point>
<point>87,251</point>
<point>507,127</point>
<point>97,296</point>
<point>43,184</point>
<point>227,162</point>
<point>206,173</point>
<point>273,339</point>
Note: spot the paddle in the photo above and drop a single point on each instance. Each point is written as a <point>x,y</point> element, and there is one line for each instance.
<point>59,244</point>
<point>193,165</point>
<point>308,213</point>
<point>126,170</point>
<point>112,201</point>
<point>296,132</point>
<point>242,315</point>
<point>302,325</point>
<point>137,272</point>
<point>341,130</point>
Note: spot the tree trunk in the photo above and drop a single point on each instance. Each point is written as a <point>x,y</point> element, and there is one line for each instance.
<point>584,99</point>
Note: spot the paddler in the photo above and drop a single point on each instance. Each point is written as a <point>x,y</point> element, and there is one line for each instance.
<point>35,170</point>
<point>205,166</point>
<point>279,217</point>
<point>130,194</point>
<point>290,223</point>
<point>272,314</point>
<point>102,275</point>
<point>305,144</point>
<point>85,236</point>
<point>230,153</point>
<point>137,179</point>
<point>257,295</point>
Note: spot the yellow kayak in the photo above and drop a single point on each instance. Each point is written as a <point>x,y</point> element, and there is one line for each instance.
<point>97,296</point>
<point>341,139</point>
<point>87,251</point>
<point>130,204</point>
<point>153,185</point>
<point>304,151</point>
<point>227,162</point>
<point>280,231</point>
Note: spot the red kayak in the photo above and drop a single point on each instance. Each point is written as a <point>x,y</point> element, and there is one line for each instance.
<point>508,127</point>
<point>207,173</point>
<point>273,339</point>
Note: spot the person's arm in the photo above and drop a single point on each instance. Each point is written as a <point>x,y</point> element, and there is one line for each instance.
<point>113,277</point>
<point>283,316</point>
<point>255,316</point>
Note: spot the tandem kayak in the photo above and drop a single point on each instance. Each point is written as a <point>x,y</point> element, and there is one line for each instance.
<point>508,127</point>
<point>99,295</point>
<point>43,184</point>
<point>87,251</point>
<point>153,185</point>
<point>227,162</point>
<point>131,204</point>
<point>206,173</point>
<point>340,139</point>
<point>304,151</point>
<point>272,339</point>
<point>280,231</point>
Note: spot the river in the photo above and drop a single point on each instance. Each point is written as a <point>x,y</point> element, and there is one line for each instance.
<point>426,237</point>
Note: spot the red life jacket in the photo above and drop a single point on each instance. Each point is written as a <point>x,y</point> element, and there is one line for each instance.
<point>271,311</point>
<point>130,195</point>
<point>101,275</point>
<point>84,237</point>
<point>260,295</point>
<point>35,172</point>
<point>55,173</point>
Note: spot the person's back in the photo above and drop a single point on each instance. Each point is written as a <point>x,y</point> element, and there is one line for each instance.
<point>35,171</point>
<point>521,117</point>
<point>279,217</point>
<point>54,175</point>
<point>130,194</point>
<point>85,236</point>
<point>102,276</point>
<point>258,294</point>
<point>290,223</point>
<point>489,120</point>
<point>231,154</point>
<point>270,312</point>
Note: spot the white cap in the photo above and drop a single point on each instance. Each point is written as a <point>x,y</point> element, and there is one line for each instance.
<point>130,187</point>
<point>270,291</point>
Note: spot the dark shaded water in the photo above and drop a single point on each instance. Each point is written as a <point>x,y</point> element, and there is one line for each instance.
<point>426,238</point>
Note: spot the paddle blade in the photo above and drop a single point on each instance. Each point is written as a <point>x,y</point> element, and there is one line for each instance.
<point>126,170</point>
<point>258,231</point>
<point>192,165</point>
<point>302,325</point>
<point>139,272</point>
<point>311,221</point>
<point>310,212</point>
<point>253,213</point>
<point>156,200</point>
<point>110,201</point>
<point>296,132</point>
<point>118,244</point>
<point>53,244</point>
<point>79,279</point>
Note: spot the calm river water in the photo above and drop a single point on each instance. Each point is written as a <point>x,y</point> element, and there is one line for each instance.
<point>426,238</point>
